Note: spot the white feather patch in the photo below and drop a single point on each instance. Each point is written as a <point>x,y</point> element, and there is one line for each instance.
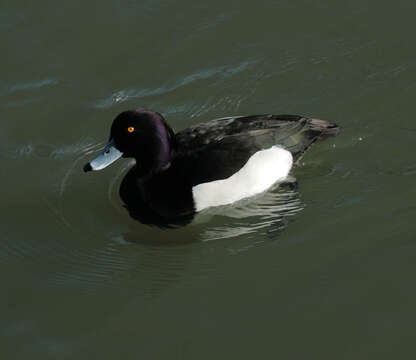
<point>261,171</point>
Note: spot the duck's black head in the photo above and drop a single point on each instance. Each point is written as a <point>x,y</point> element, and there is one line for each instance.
<point>140,134</point>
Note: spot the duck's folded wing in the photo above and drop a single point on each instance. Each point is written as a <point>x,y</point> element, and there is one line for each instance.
<point>202,134</point>
<point>247,134</point>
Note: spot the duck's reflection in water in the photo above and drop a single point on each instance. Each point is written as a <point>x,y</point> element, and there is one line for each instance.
<point>267,213</point>
<point>165,256</point>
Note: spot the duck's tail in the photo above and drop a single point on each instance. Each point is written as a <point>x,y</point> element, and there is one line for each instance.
<point>324,128</point>
<point>314,130</point>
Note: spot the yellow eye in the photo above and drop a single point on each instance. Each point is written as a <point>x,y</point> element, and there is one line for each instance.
<point>130,129</point>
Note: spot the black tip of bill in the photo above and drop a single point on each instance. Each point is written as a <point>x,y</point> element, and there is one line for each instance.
<point>87,167</point>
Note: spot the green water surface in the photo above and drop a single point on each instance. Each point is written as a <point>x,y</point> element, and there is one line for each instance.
<point>325,271</point>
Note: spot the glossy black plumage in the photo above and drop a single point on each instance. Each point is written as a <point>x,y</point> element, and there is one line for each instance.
<point>158,189</point>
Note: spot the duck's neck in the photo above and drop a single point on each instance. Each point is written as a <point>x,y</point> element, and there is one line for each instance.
<point>156,160</point>
<point>148,166</point>
<point>155,156</point>
<point>164,152</point>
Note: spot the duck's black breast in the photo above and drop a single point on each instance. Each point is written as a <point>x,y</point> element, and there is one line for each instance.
<point>168,193</point>
<point>164,196</point>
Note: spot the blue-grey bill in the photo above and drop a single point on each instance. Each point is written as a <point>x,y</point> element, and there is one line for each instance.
<point>105,158</point>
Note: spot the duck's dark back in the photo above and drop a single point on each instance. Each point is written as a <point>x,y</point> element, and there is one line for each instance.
<point>252,133</point>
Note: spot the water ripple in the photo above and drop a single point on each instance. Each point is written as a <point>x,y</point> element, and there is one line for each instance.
<point>123,95</point>
<point>34,84</point>
<point>264,213</point>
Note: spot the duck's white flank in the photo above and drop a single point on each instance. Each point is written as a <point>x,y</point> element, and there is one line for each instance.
<point>261,171</point>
